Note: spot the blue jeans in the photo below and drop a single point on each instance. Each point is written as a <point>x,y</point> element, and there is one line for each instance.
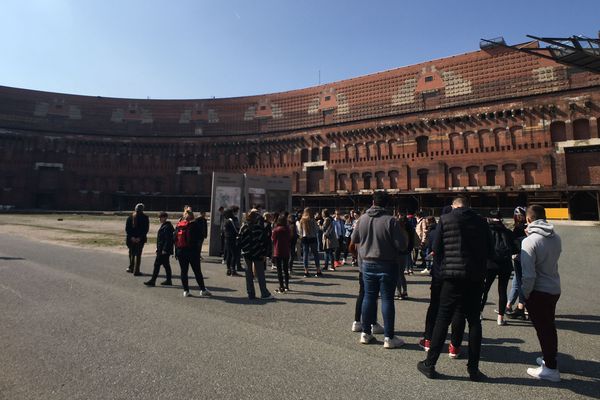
<point>309,245</point>
<point>517,285</point>
<point>329,258</point>
<point>379,277</point>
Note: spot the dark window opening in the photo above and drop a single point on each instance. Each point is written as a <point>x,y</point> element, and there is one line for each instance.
<point>327,98</point>
<point>428,78</point>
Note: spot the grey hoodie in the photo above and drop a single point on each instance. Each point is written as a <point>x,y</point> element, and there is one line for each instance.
<point>379,236</point>
<point>540,251</point>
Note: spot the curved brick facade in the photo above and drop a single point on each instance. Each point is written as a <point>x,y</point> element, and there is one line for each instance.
<point>494,124</point>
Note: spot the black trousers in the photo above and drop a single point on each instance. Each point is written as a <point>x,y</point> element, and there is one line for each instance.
<point>458,318</point>
<point>187,258</point>
<point>161,260</point>
<point>135,256</point>
<point>503,275</point>
<point>232,254</point>
<point>341,246</point>
<point>464,296</point>
<point>283,274</point>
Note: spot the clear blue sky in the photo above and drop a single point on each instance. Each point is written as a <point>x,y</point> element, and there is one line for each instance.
<point>198,49</point>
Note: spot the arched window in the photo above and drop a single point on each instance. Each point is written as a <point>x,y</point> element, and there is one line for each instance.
<point>354,178</point>
<point>528,173</point>
<point>303,156</point>
<point>379,179</point>
<point>472,173</point>
<point>325,153</point>
<point>342,182</point>
<point>423,173</point>
<point>558,131</point>
<point>509,178</point>
<point>455,176</point>
<point>393,179</point>
<point>581,129</point>
<point>315,154</point>
<point>422,144</point>
<point>490,175</point>
<point>366,180</point>
<point>456,142</point>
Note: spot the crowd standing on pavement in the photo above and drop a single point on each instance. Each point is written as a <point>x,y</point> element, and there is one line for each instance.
<point>463,252</point>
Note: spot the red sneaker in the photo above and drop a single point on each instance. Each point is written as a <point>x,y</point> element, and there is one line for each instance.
<point>425,344</point>
<point>453,352</point>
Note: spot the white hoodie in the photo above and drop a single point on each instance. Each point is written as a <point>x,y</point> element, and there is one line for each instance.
<point>540,251</point>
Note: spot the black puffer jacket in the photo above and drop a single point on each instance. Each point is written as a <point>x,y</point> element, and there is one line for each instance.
<point>463,245</point>
<point>164,238</point>
<point>139,229</point>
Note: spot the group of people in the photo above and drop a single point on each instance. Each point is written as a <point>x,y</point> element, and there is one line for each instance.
<point>463,252</point>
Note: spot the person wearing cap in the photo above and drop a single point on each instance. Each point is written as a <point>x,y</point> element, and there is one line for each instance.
<point>136,229</point>
<point>499,264</point>
<point>164,250</point>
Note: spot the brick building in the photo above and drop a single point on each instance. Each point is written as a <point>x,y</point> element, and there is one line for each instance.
<point>501,126</point>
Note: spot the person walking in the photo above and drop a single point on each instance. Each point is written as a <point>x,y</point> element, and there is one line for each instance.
<point>136,229</point>
<point>462,247</point>
<point>540,252</point>
<point>254,243</point>
<point>307,232</point>
<point>381,241</point>
<point>187,237</point>
<point>499,264</point>
<point>458,318</point>
<point>164,250</point>
<point>282,237</point>
<point>330,240</point>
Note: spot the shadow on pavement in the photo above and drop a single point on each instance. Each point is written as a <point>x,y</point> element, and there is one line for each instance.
<point>11,258</point>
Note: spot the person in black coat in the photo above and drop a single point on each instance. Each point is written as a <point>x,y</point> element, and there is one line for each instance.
<point>462,248</point>
<point>500,262</point>
<point>458,318</point>
<point>203,230</point>
<point>136,228</point>
<point>164,250</point>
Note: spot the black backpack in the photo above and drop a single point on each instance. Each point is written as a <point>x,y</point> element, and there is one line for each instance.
<point>504,246</point>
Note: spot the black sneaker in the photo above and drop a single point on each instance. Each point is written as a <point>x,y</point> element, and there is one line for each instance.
<point>228,273</point>
<point>137,274</point>
<point>166,283</point>
<point>129,270</point>
<point>319,274</point>
<point>150,283</point>
<point>476,375</point>
<point>519,313</point>
<point>235,274</point>
<point>306,275</point>
<point>427,370</point>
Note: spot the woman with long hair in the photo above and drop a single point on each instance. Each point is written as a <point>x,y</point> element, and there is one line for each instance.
<point>282,236</point>
<point>307,232</point>
<point>330,240</point>
<point>136,228</point>
<point>254,243</point>
<point>187,252</point>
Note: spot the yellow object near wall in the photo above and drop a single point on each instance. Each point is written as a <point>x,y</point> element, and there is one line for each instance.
<point>557,213</point>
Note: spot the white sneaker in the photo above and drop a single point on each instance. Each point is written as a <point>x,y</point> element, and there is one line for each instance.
<point>540,361</point>
<point>365,338</point>
<point>205,293</point>
<point>425,271</point>
<point>186,293</point>
<point>392,343</point>
<point>542,372</point>
<point>356,326</point>
<point>376,329</point>
<point>501,321</point>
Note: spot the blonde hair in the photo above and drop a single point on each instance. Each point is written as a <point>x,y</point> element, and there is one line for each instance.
<point>307,216</point>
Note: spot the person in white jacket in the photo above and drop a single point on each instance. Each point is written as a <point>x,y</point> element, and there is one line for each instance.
<point>540,252</point>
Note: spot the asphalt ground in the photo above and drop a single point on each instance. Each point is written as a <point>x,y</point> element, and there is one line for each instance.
<point>74,325</point>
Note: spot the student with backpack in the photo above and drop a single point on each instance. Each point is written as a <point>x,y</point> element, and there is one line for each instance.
<point>499,264</point>
<point>187,252</point>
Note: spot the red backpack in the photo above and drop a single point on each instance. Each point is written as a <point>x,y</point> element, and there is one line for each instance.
<point>183,238</point>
